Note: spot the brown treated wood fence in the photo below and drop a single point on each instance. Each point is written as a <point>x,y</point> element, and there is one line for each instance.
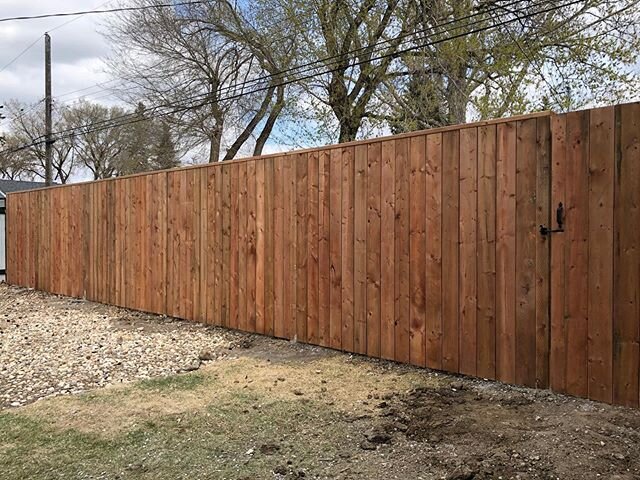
<point>421,248</point>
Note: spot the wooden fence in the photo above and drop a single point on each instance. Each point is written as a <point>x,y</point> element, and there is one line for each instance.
<point>421,248</point>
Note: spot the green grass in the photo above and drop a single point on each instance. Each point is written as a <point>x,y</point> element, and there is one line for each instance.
<point>211,442</point>
<point>183,382</point>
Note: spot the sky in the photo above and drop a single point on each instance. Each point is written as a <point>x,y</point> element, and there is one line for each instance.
<point>77,49</point>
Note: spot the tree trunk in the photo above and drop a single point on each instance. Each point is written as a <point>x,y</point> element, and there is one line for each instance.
<point>349,127</point>
<point>271,121</point>
<point>246,133</point>
<point>215,143</point>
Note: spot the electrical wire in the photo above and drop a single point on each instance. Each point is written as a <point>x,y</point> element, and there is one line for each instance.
<point>312,66</point>
<point>11,62</point>
<point>109,10</point>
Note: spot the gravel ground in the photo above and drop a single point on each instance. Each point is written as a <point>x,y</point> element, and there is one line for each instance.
<point>51,345</point>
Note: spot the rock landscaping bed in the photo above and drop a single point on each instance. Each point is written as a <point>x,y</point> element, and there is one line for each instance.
<point>52,345</point>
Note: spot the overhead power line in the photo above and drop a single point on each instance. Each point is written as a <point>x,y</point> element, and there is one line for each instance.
<point>97,11</point>
<point>308,70</point>
<point>127,119</point>
<point>12,61</point>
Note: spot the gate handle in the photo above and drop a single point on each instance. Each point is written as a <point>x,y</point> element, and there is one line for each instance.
<point>559,219</point>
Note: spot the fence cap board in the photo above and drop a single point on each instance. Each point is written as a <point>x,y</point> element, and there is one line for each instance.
<point>367,141</point>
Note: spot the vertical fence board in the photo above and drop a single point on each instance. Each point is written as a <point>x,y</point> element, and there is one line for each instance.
<point>205,260</point>
<point>208,244</point>
<point>506,253</point>
<point>261,244</point>
<point>558,353</point>
<point>387,251</point>
<point>402,306</point>
<point>542,285</point>
<point>526,252</point>
<point>601,213</point>
<point>269,281</point>
<point>626,306</point>
<point>347,249</point>
<point>335,265</point>
<point>360,251</point>
<point>313,279</point>
<point>577,273</point>
<point>374,153</point>
<point>417,247</point>
<point>251,248</point>
<point>468,249</point>
<point>450,260</point>
<point>279,247</point>
<point>226,246</point>
<point>290,246</point>
<point>486,275</point>
<point>324,253</point>
<point>433,271</point>
<point>302,244</point>
<point>241,219</point>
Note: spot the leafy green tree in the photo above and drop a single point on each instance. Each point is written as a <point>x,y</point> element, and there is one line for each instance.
<point>561,59</point>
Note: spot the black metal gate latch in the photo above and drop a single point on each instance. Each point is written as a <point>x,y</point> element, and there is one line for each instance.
<point>559,219</point>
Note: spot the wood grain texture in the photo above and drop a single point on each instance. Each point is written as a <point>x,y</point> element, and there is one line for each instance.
<point>468,247</point>
<point>450,259</point>
<point>486,219</point>
<point>557,354</point>
<point>601,241</point>
<point>347,225</point>
<point>577,252</point>
<point>302,245</point>
<point>270,249</point>
<point>374,154</point>
<point>335,248</point>
<point>626,287</point>
<point>526,232</point>
<point>543,245</point>
<point>417,249</point>
<point>313,278</point>
<point>360,251</point>
<point>251,247</point>
<point>324,338</point>
<point>279,260</point>
<point>506,253</point>
<point>261,248</point>
<point>402,265</point>
<point>387,251</point>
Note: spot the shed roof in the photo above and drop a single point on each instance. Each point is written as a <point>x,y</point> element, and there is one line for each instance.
<point>9,186</point>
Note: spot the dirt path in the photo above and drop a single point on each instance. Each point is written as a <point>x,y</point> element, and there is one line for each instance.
<point>272,409</point>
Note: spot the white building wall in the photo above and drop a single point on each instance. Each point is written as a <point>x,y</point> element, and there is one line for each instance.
<point>2,244</point>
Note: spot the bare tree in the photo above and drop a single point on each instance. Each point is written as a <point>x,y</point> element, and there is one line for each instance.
<point>27,130</point>
<point>98,148</point>
<point>14,163</point>
<point>179,59</point>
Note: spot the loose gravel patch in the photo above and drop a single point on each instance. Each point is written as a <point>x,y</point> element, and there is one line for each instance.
<point>51,345</point>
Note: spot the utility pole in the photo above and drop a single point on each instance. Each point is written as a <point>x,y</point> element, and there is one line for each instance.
<point>47,108</point>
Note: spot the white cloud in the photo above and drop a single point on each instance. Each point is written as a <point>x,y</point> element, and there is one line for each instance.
<point>77,49</point>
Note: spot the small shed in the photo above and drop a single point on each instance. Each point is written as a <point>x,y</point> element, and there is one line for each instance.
<point>6,187</point>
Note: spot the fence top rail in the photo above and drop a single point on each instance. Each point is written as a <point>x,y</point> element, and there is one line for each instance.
<point>354,143</point>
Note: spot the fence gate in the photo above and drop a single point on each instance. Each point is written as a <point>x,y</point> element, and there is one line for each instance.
<point>595,260</point>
